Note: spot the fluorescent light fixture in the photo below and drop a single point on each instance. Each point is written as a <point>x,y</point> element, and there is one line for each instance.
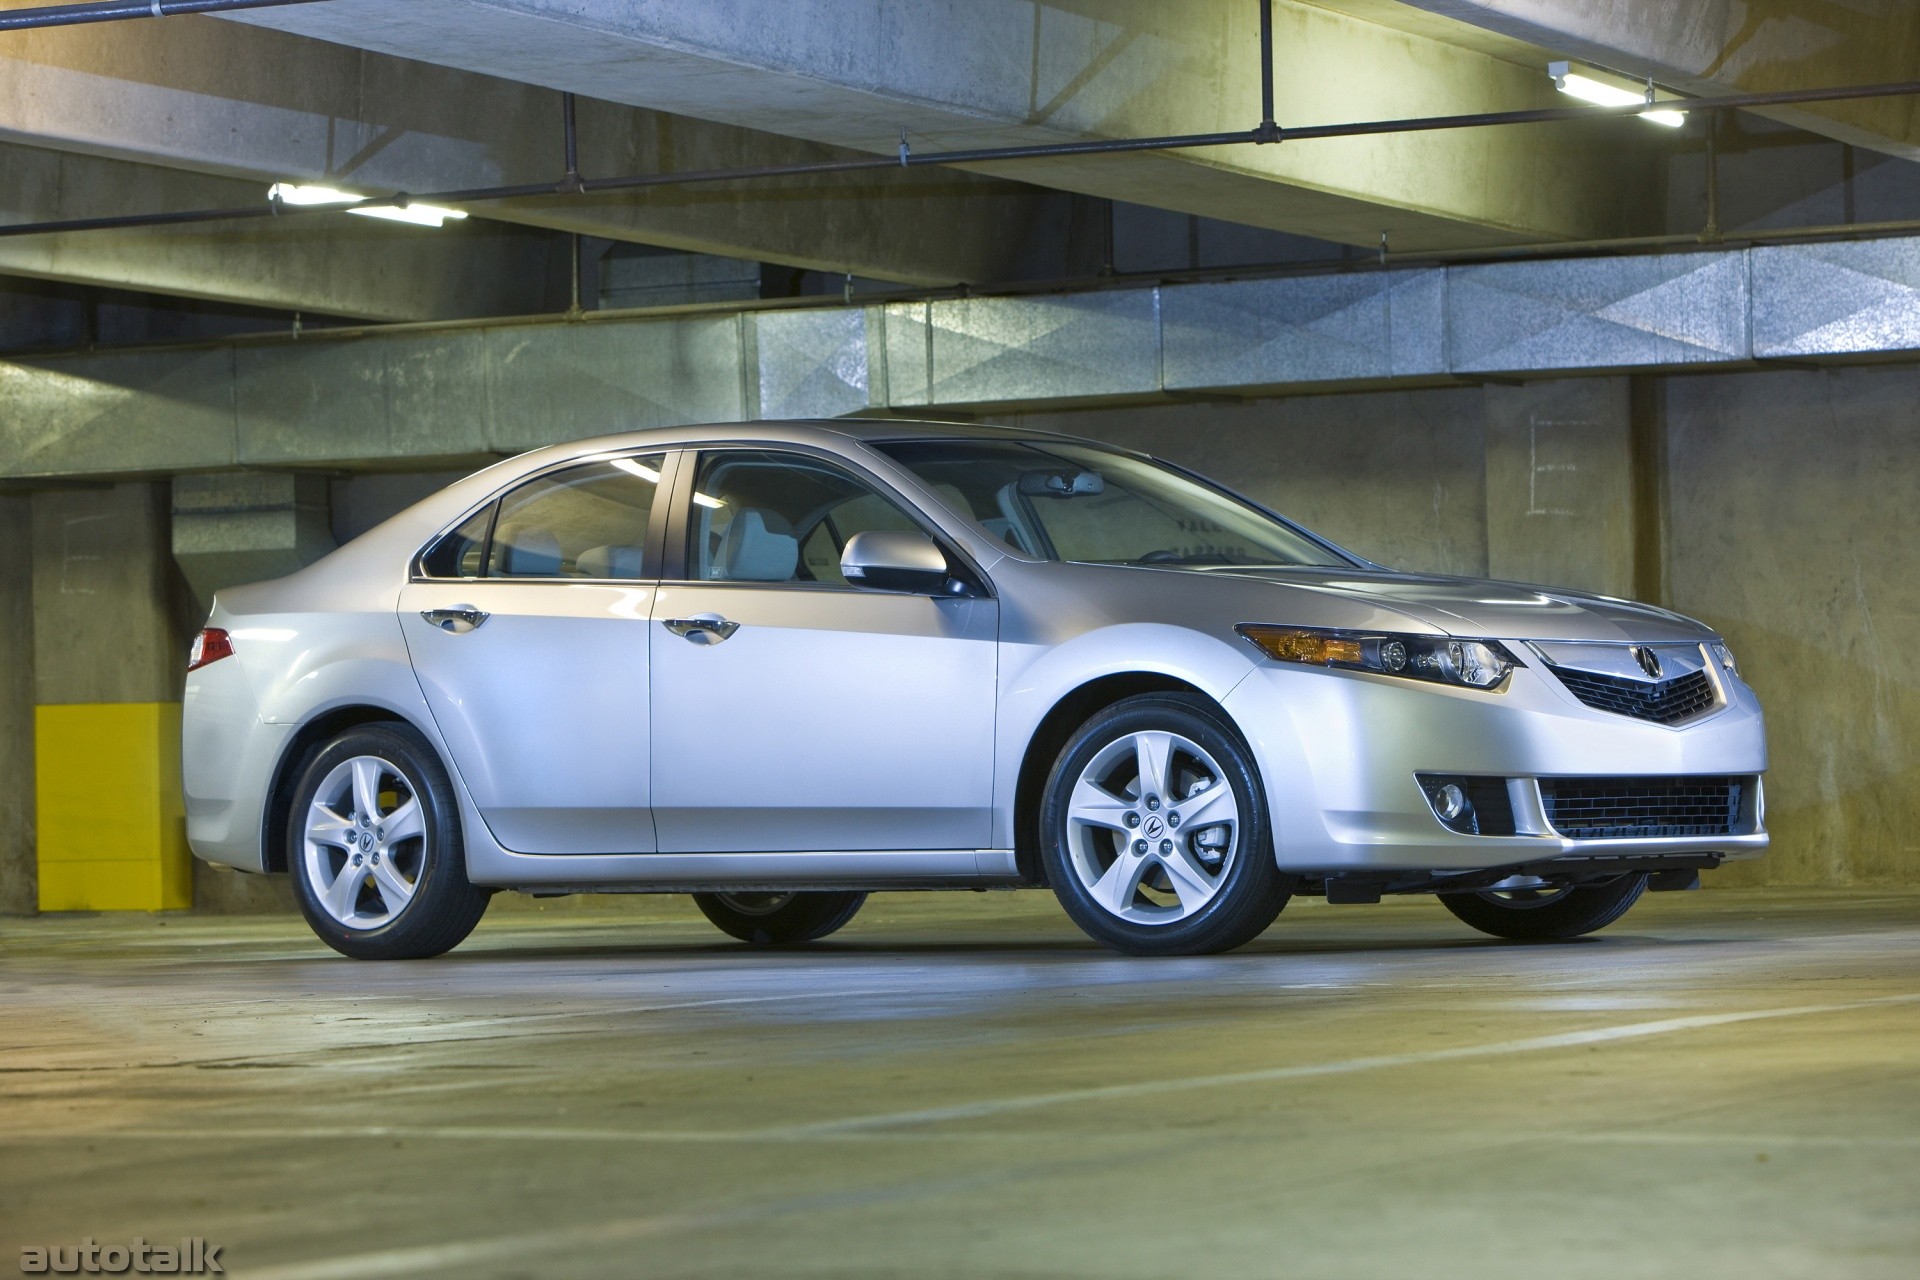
<point>707,500</point>
<point>298,194</point>
<point>633,468</point>
<point>1587,89</point>
<point>419,215</point>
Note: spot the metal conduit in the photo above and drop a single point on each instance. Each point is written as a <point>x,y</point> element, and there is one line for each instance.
<point>67,15</point>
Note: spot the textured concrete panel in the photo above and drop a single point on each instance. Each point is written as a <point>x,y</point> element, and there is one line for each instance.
<point>1597,313</point>
<point>549,383</point>
<point>812,364</point>
<point>117,414</point>
<point>1049,348</point>
<point>18,887</point>
<point>1831,299</point>
<point>402,395</point>
<point>1302,329</point>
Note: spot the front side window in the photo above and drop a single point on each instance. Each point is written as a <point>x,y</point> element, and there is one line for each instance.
<point>763,516</point>
<point>1075,502</point>
<point>588,522</point>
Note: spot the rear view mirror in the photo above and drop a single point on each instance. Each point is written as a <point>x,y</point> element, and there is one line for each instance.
<point>891,560</point>
<point>1061,484</point>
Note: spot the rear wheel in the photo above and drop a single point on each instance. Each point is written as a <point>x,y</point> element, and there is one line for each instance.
<point>779,919</point>
<point>1155,832</point>
<point>1527,908</point>
<point>374,847</point>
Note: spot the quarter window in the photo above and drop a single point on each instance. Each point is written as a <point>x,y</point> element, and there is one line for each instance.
<point>587,522</point>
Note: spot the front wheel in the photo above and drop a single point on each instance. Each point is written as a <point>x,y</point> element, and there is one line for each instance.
<point>1155,832</point>
<point>375,851</point>
<point>779,919</point>
<point>1528,909</point>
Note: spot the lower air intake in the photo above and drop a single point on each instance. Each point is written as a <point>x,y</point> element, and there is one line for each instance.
<point>1642,808</point>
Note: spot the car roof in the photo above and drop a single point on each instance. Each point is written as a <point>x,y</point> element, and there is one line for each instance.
<point>806,430</point>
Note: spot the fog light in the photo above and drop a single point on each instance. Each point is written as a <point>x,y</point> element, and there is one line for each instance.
<point>1450,802</point>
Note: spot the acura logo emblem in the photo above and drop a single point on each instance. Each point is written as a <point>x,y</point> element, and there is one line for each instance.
<point>1153,828</point>
<point>1649,661</point>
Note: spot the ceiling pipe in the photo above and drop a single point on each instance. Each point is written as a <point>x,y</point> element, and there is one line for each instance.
<point>67,15</point>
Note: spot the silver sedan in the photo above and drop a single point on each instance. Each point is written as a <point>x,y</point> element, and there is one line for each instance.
<point>780,666</point>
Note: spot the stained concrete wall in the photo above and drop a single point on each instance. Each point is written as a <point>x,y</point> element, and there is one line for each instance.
<point>1791,526</point>
<point>17,878</point>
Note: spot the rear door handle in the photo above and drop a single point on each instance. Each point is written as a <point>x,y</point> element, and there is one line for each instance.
<point>457,620</point>
<point>708,628</point>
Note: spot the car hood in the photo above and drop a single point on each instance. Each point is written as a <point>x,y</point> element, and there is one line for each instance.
<point>1494,610</point>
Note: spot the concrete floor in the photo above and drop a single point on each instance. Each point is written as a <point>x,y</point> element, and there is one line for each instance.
<point>1727,1083</point>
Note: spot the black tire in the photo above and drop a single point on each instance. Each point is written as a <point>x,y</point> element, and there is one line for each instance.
<point>444,906</point>
<point>779,919</point>
<point>1248,891</point>
<point>1569,914</point>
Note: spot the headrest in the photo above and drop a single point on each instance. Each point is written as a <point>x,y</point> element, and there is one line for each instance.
<point>531,553</point>
<point>759,546</point>
<point>610,562</point>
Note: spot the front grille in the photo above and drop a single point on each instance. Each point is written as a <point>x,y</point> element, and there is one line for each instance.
<point>1666,702</point>
<point>1642,808</point>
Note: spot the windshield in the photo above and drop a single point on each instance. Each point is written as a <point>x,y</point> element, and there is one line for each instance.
<point>1074,502</point>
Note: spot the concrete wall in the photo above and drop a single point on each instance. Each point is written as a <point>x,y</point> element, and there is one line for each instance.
<point>1777,507</point>
<point>18,886</point>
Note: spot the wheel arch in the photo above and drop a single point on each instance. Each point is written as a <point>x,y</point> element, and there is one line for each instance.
<point>293,758</point>
<point>1066,715</point>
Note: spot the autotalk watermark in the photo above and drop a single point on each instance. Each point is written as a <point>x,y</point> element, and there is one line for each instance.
<point>189,1256</point>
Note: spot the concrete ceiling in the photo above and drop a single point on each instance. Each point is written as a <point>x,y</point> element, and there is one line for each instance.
<point>225,100</point>
<point>854,73</point>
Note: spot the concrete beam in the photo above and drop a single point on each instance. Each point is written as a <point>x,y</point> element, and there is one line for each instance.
<point>419,396</point>
<point>247,526</point>
<point>853,73</point>
<point>1736,46</point>
<point>354,267</point>
<point>258,105</point>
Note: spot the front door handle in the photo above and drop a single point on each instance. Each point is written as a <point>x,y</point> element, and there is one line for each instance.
<point>457,620</point>
<point>708,628</point>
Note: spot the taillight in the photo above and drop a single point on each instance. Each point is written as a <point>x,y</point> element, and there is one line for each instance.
<point>210,645</point>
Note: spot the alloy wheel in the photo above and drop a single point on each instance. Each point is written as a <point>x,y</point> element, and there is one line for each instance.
<point>1153,828</point>
<point>364,849</point>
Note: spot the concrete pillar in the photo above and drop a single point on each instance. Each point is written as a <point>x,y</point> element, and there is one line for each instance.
<point>1560,484</point>
<point>247,526</point>
<point>108,635</point>
<point>18,894</point>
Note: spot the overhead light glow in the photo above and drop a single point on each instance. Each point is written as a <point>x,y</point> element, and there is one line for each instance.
<point>419,215</point>
<point>707,500</point>
<point>1587,89</point>
<point>631,467</point>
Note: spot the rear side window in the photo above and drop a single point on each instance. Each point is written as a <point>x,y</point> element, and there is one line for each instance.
<point>585,522</point>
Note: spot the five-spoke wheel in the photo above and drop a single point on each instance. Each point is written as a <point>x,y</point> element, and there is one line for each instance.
<point>1154,830</point>
<point>374,844</point>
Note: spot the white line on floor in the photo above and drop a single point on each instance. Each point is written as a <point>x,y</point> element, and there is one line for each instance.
<point>1345,1066</point>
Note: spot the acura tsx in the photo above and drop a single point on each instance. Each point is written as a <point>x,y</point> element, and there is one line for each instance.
<point>781,665</point>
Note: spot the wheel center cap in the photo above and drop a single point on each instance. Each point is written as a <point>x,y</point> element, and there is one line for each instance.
<point>366,842</point>
<point>1152,827</point>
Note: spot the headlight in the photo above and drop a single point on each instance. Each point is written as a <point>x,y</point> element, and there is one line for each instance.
<point>1723,656</point>
<point>1477,664</point>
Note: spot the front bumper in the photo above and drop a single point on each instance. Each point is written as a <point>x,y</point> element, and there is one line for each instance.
<point>1340,753</point>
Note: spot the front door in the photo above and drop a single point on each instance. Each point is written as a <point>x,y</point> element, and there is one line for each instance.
<point>528,632</point>
<point>798,713</point>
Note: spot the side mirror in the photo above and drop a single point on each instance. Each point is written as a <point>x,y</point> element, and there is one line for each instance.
<point>890,560</point>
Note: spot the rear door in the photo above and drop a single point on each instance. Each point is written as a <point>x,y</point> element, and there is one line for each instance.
<point>528,632</point>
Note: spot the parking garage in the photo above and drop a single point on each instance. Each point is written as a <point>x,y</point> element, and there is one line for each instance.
<point>1619,299</point>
